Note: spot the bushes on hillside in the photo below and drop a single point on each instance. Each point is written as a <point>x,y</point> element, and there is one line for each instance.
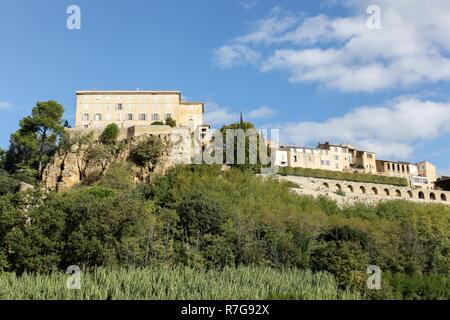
<point>147,152</point>
<point>203,217</point>
<point>171,122</point>
<point>348,176</point>
<point>110,134</point>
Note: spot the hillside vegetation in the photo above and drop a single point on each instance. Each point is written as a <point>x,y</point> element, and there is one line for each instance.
<point>347,176</point>
<point>201,222</point>
<point>206,219</point>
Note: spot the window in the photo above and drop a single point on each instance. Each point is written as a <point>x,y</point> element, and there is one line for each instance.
<point>119,106</point>
<point>119,116</point>
<point>295,158</point>
<point>168,115</point>
<point>142,117</point>
<point>155,117</point>
<point>337,165</point>
<point>369,155</point>
<point>325,162</point>
<point>98,117</point>
<point>130,117</point>
<point>336,157</point>
<point>86,117</point>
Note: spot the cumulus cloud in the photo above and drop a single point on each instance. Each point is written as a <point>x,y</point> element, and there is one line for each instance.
<point>412,47</point>
<point>5,105</point>
<point>390,130</point>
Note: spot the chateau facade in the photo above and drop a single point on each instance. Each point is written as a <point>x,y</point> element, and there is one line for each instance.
<point>97,109</point>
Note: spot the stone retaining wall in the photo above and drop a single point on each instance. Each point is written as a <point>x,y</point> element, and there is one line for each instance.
<point>350,192</point>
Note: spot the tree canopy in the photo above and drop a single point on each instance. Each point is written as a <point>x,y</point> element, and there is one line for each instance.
<point>32,145</point>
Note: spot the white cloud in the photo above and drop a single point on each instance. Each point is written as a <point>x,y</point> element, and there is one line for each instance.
<point>5,105</point>
<point>390,130</point>
<point>248,4</point>
<point>217,115</point>
<point>262,112</point>
<point>229,56</point>
<point>411,48</point>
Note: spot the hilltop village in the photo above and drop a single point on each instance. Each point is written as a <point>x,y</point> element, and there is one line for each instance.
<point>144,112</point>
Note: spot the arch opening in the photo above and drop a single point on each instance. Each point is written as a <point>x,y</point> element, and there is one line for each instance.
<point>398,193</point>
<point>432,196</point>
<point>363,189</point>
<point>386,192</point>
<point>350,188</point>
<point>375,190</point>
<point>410,194</point>
<point>421,195</point>
<point>443,197</point>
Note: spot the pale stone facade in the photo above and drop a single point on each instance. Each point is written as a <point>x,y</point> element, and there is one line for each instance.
<point>346,158</point>
<point>97,109</point>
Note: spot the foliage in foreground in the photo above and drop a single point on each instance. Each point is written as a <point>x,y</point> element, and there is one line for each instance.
<point>207,219</point>
<point>245,283</point>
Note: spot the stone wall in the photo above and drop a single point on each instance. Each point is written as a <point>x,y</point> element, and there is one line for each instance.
<point>351,192</point>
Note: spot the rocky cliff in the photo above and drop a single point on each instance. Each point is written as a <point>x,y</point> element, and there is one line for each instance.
<point>85,160</point>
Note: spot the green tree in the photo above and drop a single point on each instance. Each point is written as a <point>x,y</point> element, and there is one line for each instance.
<point>245,126</point>
<point>147,152</point>
<point>157,123</point>
<point>110,134</point>
<point>2,160</point>
<point>200,215</point>
<point>171,122</point>
<point>36,140</point>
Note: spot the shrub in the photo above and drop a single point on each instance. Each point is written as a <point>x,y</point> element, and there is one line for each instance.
<point>7,184</point>
<point>171,122</point>
<point>118,177</point>
<point>147,152</point>
<point>110,134</point>
<point>199,214</point>
<point>157,123</point>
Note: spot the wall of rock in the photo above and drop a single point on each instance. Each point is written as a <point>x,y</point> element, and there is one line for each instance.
<point>70,167</point>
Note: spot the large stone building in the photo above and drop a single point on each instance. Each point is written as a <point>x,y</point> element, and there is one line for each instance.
<point>97,109</point>
<point>326,157</point>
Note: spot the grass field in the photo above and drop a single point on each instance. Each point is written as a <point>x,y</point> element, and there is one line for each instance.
<point>249,283</point>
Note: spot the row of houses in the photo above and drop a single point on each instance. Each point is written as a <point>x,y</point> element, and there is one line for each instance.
<point>346,158</point>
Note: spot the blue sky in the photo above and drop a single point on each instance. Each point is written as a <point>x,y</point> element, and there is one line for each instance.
<point>314,69</point>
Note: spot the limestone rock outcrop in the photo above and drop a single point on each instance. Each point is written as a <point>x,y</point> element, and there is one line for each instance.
<point>73,166</point>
